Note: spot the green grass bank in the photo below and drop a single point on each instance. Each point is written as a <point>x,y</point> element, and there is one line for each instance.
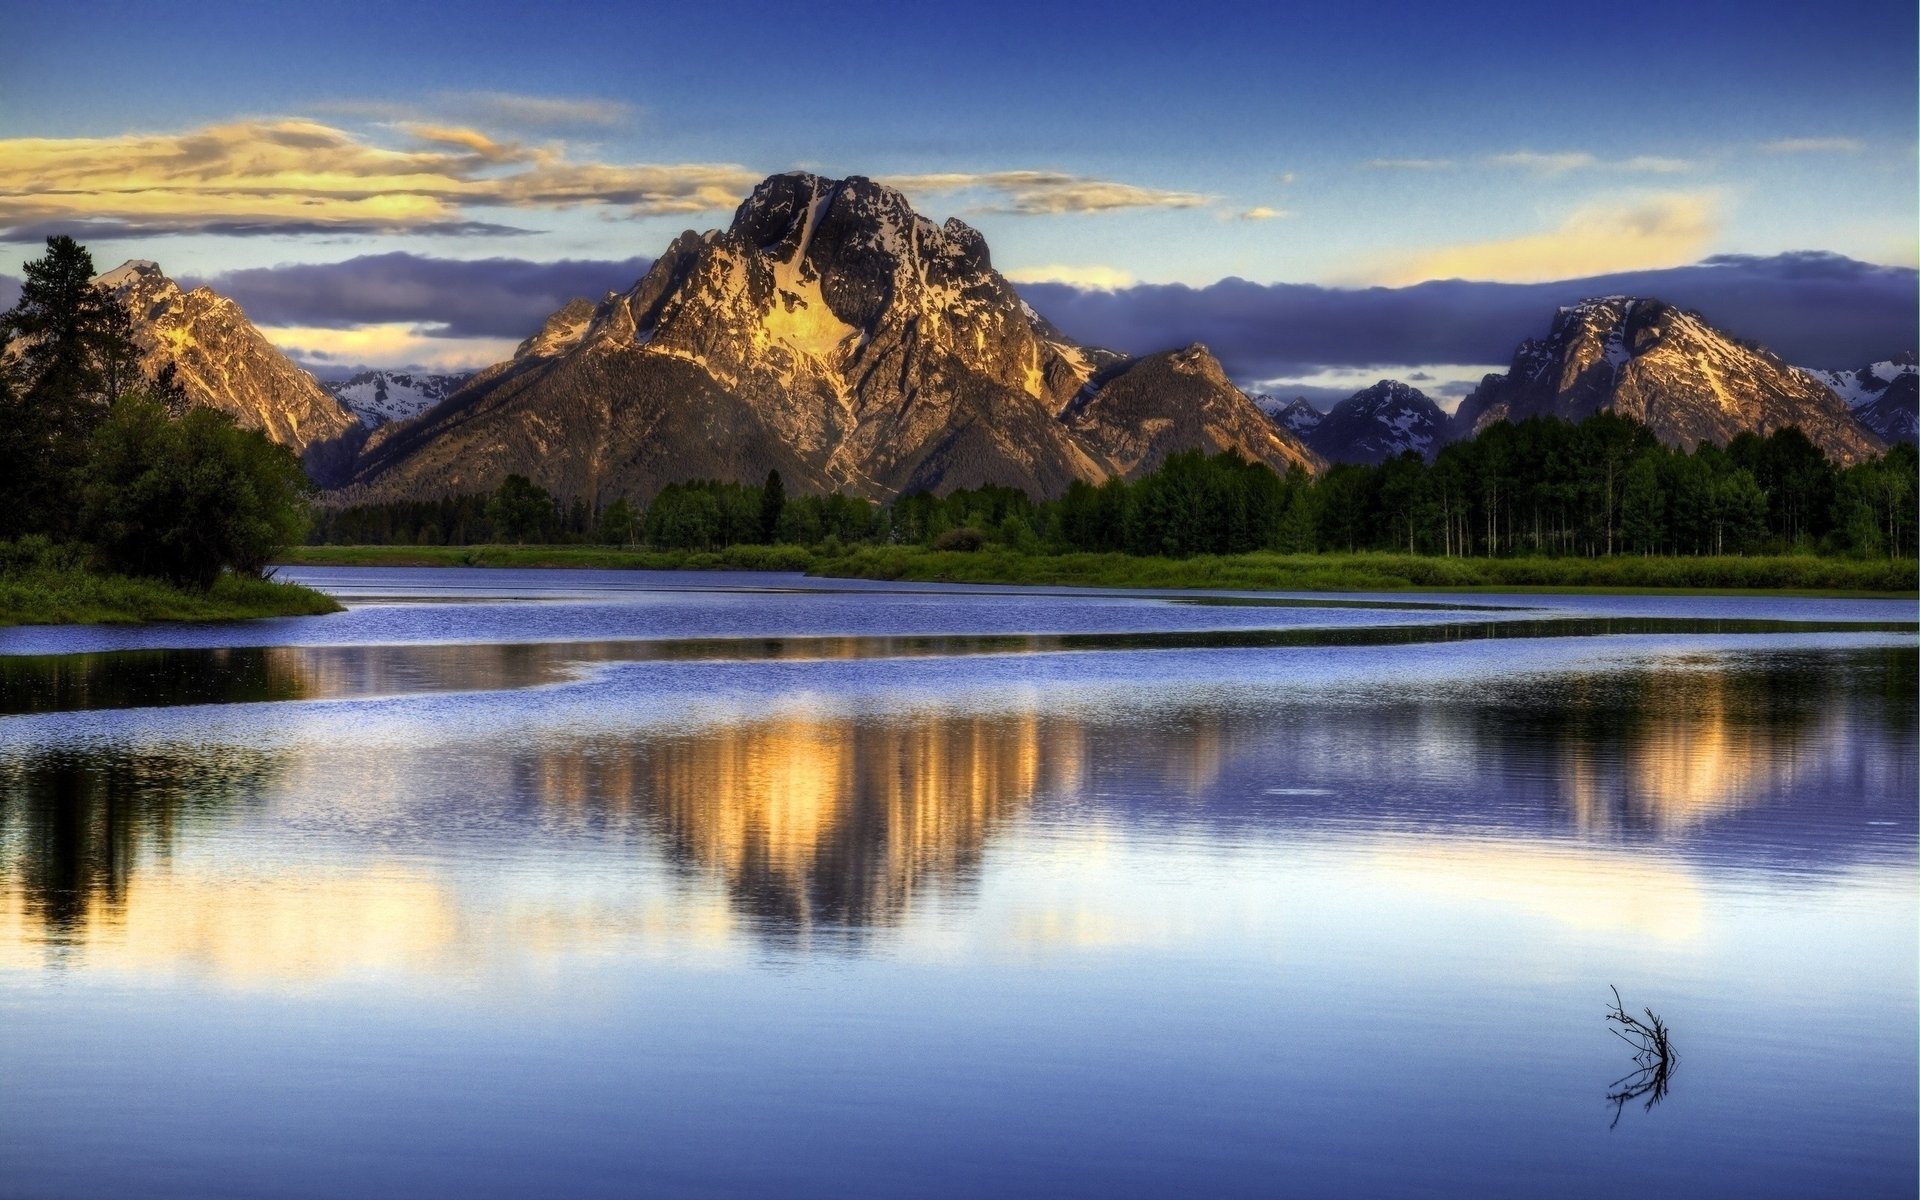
<point>1253,572</point>
<point>76,596</point>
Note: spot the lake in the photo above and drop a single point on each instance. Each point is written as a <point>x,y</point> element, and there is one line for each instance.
<point>512,883</point>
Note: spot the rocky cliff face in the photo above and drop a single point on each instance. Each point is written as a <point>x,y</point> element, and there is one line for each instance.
<point>1378,423</point>
<point>221,360</point>
<point>1884,396</point>
<point>834,334</point>
<point>1142,410</point>
<point>1659,364</point>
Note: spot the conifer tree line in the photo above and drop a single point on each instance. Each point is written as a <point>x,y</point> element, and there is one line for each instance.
<point>101,462</point>
<point>1604,486</point>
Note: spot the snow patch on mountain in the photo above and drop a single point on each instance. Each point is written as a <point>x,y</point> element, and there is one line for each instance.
<point>1864,385</point>
<point>377,397</point>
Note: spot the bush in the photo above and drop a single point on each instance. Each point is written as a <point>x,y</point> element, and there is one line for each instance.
<point>966,538</point>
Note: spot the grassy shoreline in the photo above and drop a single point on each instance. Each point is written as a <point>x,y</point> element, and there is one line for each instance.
<point>1249,572</point>
<point>73,596</point>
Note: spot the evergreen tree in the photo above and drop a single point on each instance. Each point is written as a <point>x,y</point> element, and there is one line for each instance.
<point>75,359</point>
<point>773,499</point>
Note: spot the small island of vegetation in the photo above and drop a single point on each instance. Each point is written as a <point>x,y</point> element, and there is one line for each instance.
<point>119,500</point>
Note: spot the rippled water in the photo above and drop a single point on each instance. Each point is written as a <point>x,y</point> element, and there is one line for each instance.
<point>529,883</point>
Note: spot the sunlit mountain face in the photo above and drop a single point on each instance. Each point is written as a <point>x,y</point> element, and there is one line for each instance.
<point>810,827</point>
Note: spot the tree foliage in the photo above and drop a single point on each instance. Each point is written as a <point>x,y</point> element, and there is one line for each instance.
<point>185,498</point>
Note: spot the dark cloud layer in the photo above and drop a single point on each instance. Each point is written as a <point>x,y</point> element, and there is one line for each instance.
<point>1813,309</point>
<point>490,297</point>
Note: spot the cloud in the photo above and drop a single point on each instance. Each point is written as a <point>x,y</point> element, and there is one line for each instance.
<point>511,110</point>
<point>438,297</point>
<point>1659,231</point>
<point>286,176</point>
<point>1046,193</point>
<point>537,112</point>
<point>1409,164</point>
<point>1814,309</point>
<point>1561,163</point>
<point>1813,145</point>
<point>1091,276</point>
<point>1259,212</point>
<point>337,353</point>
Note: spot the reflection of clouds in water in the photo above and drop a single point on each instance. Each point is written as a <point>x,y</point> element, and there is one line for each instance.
<point>1585,889</point>
<point>315,925</point>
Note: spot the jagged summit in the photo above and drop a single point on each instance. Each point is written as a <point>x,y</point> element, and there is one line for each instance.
<point>831,332</point>
<point>1379,422</point>
<point>128,272</point>
<point>1884,396</point>
<point>220,359</point>
<point>1664,366</point>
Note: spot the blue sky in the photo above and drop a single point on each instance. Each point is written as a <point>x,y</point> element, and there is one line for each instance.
<point>1346,145</point>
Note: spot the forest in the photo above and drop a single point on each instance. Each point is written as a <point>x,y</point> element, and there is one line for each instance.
<point>1599,488</point>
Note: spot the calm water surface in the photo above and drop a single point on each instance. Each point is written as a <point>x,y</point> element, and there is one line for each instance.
<point>594,883</point>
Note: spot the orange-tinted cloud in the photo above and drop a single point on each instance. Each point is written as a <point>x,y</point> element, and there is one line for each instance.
<point>291,175</point>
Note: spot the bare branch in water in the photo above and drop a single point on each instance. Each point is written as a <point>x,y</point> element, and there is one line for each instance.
<point>1654,1058</point>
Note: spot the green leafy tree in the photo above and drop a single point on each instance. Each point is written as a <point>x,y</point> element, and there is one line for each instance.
<point>618,525</point>
<point>520,510</point>
<point>185,498</point>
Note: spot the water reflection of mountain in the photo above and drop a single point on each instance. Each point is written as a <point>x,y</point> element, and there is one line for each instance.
<point>812,821</point>
<point>829,821</point>
<point>1762,758</point>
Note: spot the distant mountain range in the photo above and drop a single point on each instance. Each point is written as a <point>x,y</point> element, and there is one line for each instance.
<point>1884,396</point>
<point>1370,426</point>
<point>834,334</point>
<point>377,397</point>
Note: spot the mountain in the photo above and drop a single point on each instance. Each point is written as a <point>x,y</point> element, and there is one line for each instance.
<point>834,334</point>
<point>1884,396</point>
<point>1141,410</point>
<point>1295,415</point>
<point>1667,367</point>
<point>1379,423</point>
<point>377,397</point>
<point>221,360</point>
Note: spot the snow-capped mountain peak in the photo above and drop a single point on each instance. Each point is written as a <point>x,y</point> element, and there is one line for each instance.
<point>1884,396</point>
<point>377,397</point>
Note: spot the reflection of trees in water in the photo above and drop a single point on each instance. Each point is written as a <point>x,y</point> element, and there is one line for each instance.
<point>76,825</point>
<point>137,678</point>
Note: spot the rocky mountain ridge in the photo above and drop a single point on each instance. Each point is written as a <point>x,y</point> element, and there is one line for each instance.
<point>832,333</point>
<point>221,360</point>
<point>1668,368</point>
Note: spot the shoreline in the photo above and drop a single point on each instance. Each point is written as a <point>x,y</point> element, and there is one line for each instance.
<point>77,597</point>
<point>1777,575</point>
